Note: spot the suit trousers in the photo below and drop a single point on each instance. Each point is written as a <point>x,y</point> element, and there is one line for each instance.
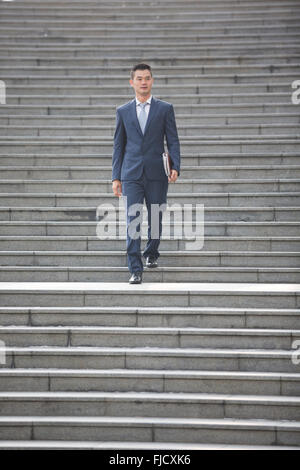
<point>154,192</point>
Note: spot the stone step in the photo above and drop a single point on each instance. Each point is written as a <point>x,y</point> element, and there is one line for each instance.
<point>108,111</point>
<point>240,199</point>
<point>188,143</point>
<point>117,3</point>
<point>206,164</point>
<point>160,3</point>
<point>161,274</point>
<point>110,49</point>
<point>226,160</point>
<point>89,21</point>
<point>211,21</point>
<point>150,358</point>
<point>168,243</point>
<point>83,243</point>
<point>115,74</point>
<point>149,404</point>
<point>189,74</point>
<point>87,229</point>
<point>230,82</point>
<point>242,130</point>
<point>74,174</point>
<point>247,86</point>
<point>208,30</point>
<point>112,53</point>
<point>184,258</point>
<point>113,445</point>
<point>211,34</point>
<point>78,294</point>
<point>180,8</point>
<point>88,213</point>
<point>183,120</point>
<point>123,63</point>
<point>99,11</point>
<point>151,337</point>
<point>117,380</point>
<point>205,145</point>
<point>88,13</point>
<point>194,185</point>
<point>199,317</point>
<point>162,65</point>
<point>208,5</point>
<point>209,98</point>
<point>91,37</point>
<point>212,431</point>
<point>178,18</point>
<point>281,17</point>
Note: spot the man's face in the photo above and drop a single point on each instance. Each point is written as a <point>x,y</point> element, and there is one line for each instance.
<point>142,82</point>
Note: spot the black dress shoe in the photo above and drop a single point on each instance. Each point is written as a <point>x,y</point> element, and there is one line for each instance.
<point>136,278</point>
<point>151,262</point>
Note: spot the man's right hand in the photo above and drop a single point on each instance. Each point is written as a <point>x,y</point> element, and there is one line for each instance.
<point>117,188</point>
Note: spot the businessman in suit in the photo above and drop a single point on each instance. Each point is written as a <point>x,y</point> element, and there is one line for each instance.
<point>137,165</point>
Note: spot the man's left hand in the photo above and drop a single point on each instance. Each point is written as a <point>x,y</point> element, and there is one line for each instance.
<point>173,176</point>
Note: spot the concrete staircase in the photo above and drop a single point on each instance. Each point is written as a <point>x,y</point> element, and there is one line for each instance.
<point>200,355</point>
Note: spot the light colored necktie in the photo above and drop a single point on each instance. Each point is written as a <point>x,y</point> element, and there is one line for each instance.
<point>143,116</point>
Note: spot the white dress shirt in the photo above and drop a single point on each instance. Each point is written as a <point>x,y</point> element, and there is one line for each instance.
<point>147,107</point>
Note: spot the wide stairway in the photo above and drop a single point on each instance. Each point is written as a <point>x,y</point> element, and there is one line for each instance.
<point>206,352</point>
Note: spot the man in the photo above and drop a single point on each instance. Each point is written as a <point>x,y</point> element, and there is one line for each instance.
<point>137,164</point>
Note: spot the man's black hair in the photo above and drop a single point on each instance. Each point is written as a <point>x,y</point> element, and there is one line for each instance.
<point>140,67</point>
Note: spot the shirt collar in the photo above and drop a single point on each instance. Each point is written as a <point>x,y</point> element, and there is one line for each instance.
<point>138,101</point>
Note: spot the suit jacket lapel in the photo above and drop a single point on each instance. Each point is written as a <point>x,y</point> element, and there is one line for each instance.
<point>152,112</point>
<point>134,116</point>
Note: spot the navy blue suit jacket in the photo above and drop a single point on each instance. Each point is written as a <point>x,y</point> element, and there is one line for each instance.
<point>134,151</point>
